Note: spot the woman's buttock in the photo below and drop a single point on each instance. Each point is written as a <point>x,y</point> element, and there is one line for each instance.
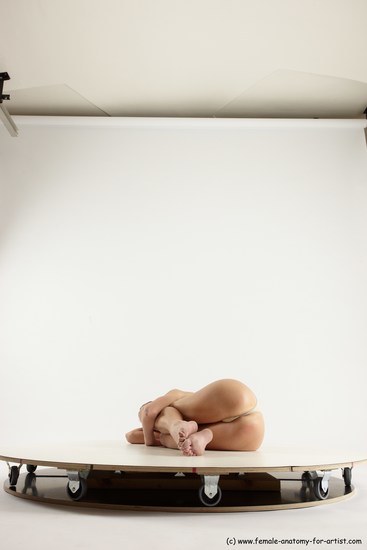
<point>232,418</point>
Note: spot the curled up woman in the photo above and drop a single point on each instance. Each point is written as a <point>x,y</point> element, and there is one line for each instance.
<point>222,416</point>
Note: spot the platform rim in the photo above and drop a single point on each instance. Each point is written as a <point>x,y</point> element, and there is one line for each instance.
<point>182,468</point>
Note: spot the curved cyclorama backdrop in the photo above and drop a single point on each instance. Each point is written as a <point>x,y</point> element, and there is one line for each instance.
<point>140,255</point>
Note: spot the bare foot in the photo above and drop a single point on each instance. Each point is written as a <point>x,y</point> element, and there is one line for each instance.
<point>181,430</point>
<point>196,443</point>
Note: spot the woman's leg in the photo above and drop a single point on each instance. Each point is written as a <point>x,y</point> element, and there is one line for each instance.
<point>243,434</point>
<point>170,423</point>
<point>217,401</point>
<point>246,433</point>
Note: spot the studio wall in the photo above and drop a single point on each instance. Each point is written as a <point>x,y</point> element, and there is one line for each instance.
<point>139,255</point>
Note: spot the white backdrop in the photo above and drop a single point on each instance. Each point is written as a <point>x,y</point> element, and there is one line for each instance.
<point>139,255</point>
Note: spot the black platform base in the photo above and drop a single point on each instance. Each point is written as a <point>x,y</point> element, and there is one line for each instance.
<point>176,493</point>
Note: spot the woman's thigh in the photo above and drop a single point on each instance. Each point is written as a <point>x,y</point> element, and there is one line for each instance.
<point>219,400</point>
<point>246,433</point>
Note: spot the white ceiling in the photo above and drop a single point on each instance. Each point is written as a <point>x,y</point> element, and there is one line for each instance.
<point>224,58</point>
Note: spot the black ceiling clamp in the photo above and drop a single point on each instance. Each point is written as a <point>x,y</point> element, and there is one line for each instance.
<point>3,77</point>
<point>4,114</point>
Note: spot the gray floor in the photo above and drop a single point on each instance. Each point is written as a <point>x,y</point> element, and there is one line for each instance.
<point>27,525</point>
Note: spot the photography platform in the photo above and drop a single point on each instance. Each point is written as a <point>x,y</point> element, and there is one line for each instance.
<point>117,475</point>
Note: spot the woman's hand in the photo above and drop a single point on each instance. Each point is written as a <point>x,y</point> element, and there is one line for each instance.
<point>147,416</point>
<point>150,411</point>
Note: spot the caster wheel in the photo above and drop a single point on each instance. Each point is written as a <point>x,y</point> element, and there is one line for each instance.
<point>347,475</point>
<point>320,493</point>
<point>210,501</point>
<point>80,492</point>
<point>306,480</point>
<point>31,469</point>
<point>13,475</point>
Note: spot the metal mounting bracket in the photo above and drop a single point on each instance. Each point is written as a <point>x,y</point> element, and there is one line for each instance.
<point>211,486</point>
<point>74,478</point>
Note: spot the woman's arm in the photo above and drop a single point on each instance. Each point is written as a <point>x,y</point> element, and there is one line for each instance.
<point>150,412</point>
<point>136,437</point>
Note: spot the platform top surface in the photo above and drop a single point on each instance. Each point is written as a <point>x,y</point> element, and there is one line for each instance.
<point>117,454</point>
